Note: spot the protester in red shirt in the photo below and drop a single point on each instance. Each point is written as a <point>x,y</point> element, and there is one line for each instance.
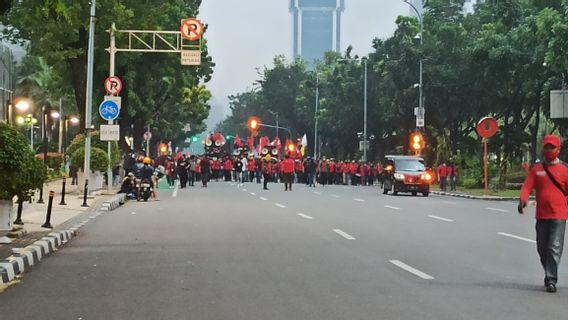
<point>442,174</point>
<point>227,168</point>
<point>288,172</point>
<point>550,180</point>
<point>251,168</point>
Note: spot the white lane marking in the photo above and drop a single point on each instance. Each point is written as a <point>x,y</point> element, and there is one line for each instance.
<point>449,202</point>
<point>412,270</point>
<point>244,190</point>
<point>343,234</point>
<point>391,207</point>
<point>440,218</point>
<point>133,213</point>
<point>498,210</point>
<point>253,194</point>
<point>305,216</point>
<point>335,196</point>
<point>515,237</point>
<point>280,205</point>
<point>360,200</point>
<point>176,188</point>
<point>317,192</point>
<point>263,198</point>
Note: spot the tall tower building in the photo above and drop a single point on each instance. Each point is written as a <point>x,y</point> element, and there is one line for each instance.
<point>316,27</point>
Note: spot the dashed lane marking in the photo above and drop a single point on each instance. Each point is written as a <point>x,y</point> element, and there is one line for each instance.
<point>412,270</point>
<point>317,192</point>
<point>498,210</point>
<point>335,196</point>
<point>357,199</point>
<point>305,216</point>
<point>176,188</point>
<point>280,205</point>
<point>253,194</point>
<point>263,198</point>
<point>344,234</point>
<point>515,237</point>
<point>244,190</point>
<point>449,202</point>
<point>440,218</point>
<point>391,207</point>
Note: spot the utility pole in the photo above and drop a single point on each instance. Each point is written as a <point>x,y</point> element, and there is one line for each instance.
<point>365,143</point>
<point>112,51</point>
<point>89,96</point>
<point>316,118</point>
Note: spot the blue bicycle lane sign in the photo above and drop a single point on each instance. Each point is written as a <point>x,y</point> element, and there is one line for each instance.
<point>109,110</point>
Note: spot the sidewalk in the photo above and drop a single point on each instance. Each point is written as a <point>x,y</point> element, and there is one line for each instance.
<point>34,214</point>
<point>473,196</point>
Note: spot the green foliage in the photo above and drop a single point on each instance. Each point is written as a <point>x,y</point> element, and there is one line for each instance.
<point>56,37</point>
<point>21,171</point>
<point>470,183</point>
<point>79,142</point>
<point>54,160</point>
<point>517,177</point>
<point>99,159</point>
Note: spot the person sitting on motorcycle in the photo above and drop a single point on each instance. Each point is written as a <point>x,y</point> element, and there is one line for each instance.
<point>128,186</point>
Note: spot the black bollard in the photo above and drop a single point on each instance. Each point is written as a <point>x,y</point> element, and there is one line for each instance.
<point>85,194</point>
<point>47,223</point>
<point>62,203</point>
<point>19,217</point>
<point>40,195</point>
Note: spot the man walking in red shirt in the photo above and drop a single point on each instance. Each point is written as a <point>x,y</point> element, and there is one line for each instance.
<point>288,172</point>
<point>442,174</point>
<point>550,180</point>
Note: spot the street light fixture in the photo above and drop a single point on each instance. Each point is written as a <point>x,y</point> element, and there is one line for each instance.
<point>364,59</point>
<point>54,114</point>
<point>419,37</point>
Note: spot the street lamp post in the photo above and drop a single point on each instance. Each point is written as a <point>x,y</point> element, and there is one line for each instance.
<point>316,118</point>
<point>420,85</point>
<point>365,144</point>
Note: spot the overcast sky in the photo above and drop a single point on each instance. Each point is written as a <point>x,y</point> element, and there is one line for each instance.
<point>245,35</point>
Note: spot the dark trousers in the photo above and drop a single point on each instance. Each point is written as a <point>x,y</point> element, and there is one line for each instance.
<point>227,175</point>
<point>183,179</point>
<point>443,182</point>
<point>191,178</point>
<point>549,242</point>
<point>288,178</point>
<point>266,177</point>
<point>204,178</point>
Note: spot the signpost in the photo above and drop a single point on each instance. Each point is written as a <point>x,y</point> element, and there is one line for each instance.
<point>486,128</point>
<point>110,132</point>
<point>113,85</point>
<point>191,29</point>
<point>109,110</point>
<point>190,57</point>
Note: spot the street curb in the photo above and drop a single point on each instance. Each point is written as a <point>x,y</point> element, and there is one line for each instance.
<point>470,196</point>
<point>23,259</point>
<point>114,202</point>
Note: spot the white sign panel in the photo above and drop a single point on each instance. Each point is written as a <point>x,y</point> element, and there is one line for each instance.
<point>115,99</point>
<point>110,132</point>
<point>191,57</point>
<point>420,123</point>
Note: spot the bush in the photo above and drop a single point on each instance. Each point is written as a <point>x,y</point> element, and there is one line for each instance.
<point>516,177</point>
<point>99,159</point>
<point>21,171</point>
<point>470,183</point>
<point>54,160</point>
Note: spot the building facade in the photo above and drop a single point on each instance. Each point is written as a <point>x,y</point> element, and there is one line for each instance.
<point>316,27</point>
<point>7,82</point>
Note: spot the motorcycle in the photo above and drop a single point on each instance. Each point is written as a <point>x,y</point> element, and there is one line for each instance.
<point>144,190</point>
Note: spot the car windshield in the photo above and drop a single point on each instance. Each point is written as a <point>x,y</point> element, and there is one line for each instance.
<point>409,165</point>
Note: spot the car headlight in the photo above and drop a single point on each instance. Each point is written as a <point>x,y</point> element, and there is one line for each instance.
<point>426,176</point>
<point>399,176</point>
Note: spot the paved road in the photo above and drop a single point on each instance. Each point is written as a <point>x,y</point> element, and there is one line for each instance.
<point>229,252</point>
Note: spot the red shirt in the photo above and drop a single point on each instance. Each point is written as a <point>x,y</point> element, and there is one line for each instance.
<point>228,165</point>
<point>288,166</point>
<point>442,171</point>
<point>550,202</point>
<point>332,167</point>
<point>216,165</point>
<point>251,165</point>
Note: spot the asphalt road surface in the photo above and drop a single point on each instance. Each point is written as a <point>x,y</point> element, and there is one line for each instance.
<point>238,252</point>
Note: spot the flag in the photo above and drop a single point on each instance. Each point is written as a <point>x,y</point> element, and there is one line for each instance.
<point>250,142</point>
<point>304,143</point>
<point>238,141</point>
<point>277,143</point>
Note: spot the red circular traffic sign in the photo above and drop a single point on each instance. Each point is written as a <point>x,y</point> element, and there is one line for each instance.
<point>113,85</point>
<point>191,29</point>
<point>487,127</point>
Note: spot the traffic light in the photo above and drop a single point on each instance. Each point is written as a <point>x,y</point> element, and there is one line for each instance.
<point>194,138</point>
<point>291,147</point>
<point>416,142</point>
<point>228,137</point>
<point>253,124</point>
<point>163,148</point>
